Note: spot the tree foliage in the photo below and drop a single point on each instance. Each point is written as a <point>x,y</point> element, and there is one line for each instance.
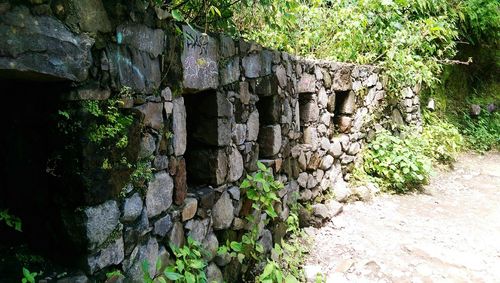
<point>410,39</point>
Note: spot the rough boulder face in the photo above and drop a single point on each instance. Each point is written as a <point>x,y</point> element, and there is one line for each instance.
<point>42,45</point>
<point>199,61</point>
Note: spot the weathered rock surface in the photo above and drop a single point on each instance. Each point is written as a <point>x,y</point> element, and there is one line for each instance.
<point>190,207</point>
<point>222,213</point>
<point>142,38</point>
<point>132,208</point>
<point>43,46</point>
<point>133,68</point>
<point>270,140</point>
<point>163,225</point>
<point>159,194</point>
<point>152,114</point>
<point>145,252</point>
<point>112,254</point>
<point>100,221</point>
<point>199,61</point>
<point>235,166</point>
<point>179,126</point>
<point>89,15</point>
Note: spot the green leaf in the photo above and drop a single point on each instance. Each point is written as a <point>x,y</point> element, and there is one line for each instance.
<point>245,184</point>
<point>241,257</point>
<point>261,166</point>
<point>270,211</point>
<point>236,246</point>
<point>174,276</point>
<point>197,264</point>
<point>291,279</point>
<point>190,278</point>
<point>180,265</point>
<point>158,264</point>
<point>267,270</point>
<point>279,275</point>
<point>259,248</point>
<point>177,15</point>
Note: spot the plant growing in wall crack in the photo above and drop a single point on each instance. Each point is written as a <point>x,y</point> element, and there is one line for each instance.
<point>189,265</point>
<point>261,189</point>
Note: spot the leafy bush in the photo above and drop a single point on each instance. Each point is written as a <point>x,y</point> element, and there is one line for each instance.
<point>441,140</point>
<point>479,21</point>
<point>409,39</point>
<point>482,133</point>
<point>397,164</point>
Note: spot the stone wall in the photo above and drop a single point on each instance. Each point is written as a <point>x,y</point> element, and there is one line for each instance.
<point>209,108</point>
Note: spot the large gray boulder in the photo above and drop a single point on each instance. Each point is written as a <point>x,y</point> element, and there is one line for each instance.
<point>42,45</point>
<point>148,252</point>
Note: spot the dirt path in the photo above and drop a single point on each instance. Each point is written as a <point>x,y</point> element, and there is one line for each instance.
<point>450,233</point>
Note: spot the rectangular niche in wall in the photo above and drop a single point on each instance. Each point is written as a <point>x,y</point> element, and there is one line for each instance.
<point>269,140</point>
<point>345,103</point>
<point>208,136</point>
<point>308,109</point>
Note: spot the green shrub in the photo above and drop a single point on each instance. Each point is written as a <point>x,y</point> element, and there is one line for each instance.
<point>441,140</point>
<point>397,164</point>
<point>482,133</point>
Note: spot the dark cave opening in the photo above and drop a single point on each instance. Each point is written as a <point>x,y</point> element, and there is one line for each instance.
<point>30,186</point>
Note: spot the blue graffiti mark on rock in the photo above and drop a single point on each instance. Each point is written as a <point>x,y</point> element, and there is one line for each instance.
<point>124,61</point>
<point>119,37</point>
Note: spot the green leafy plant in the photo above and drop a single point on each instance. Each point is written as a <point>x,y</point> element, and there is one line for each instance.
<point>10,220</point>
<point>142,173</point>
<point>441,140</point>
<point>110,126</point>
<point>482,133</point>
<point>287,258</point>
<point>410,40</point>
<point>189,265</point>
<point>274,273</point>
<point>28,277</point>
<point>261,189</point>
<point>397,164</point>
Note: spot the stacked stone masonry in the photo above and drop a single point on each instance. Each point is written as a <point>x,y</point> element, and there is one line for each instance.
<point>210,107</point>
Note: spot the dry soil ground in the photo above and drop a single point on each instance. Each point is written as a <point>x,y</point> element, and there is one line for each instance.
<point>448,233</point>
